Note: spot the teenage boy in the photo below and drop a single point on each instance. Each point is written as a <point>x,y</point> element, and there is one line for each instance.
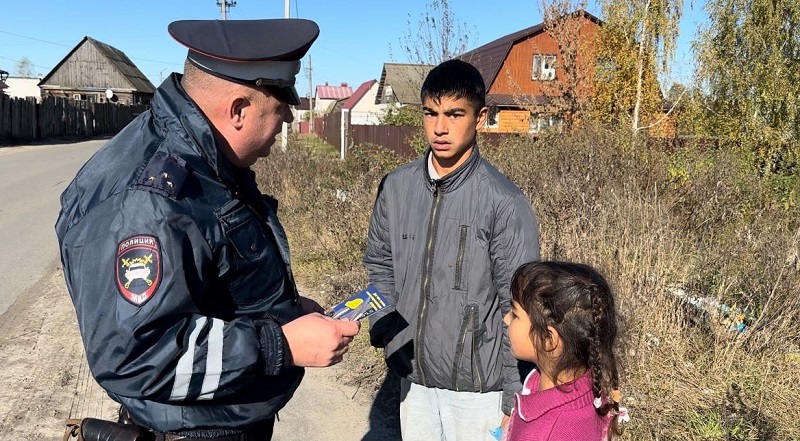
<point>446,234</point>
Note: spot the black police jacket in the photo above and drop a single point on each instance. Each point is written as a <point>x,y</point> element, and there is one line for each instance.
<point>180,276</point>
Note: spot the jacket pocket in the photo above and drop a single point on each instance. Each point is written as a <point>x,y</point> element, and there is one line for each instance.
<point>459,265</point>
<point>469,332</point>
<point>255,266</point>
<point>478,375</point>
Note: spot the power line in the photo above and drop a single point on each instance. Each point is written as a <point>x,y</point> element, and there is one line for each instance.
<point>17,61</point>
<point>35,39</point>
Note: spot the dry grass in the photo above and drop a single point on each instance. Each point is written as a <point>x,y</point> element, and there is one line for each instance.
<point>704,221</point>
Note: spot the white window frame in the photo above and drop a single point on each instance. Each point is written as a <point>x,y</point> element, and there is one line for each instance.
<point>539,122</point>
<point>543,67</point>
<point>388,94</point>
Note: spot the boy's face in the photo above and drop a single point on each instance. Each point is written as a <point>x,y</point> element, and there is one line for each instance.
<point>519,334</point>
<point>450,128</point>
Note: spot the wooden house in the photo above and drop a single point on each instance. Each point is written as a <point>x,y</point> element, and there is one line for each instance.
<point>524,72</point>
<point>400,84</point>
<point>94,71</point>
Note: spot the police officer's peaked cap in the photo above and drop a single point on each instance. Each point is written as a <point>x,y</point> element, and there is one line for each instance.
<point>265,53</point>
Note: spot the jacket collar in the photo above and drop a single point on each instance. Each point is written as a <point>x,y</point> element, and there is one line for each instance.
<point>453,180</point>
<point>178,112</point>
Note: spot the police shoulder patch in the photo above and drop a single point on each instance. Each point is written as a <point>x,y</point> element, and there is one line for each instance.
<point>138,268</point>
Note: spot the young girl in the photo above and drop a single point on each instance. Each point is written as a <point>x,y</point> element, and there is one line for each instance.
<point>563,319</point>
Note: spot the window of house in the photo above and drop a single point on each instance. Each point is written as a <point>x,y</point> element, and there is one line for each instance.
<point>539,122</point>
<point>388,94</point>
<point>492,117</point>
<point>544,67</point>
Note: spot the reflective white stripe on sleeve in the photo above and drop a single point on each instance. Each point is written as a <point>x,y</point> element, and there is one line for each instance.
<point>183,372</point>
<point>213,360</point>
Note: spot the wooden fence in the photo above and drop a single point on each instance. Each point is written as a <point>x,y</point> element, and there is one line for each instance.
<point>23,120</point>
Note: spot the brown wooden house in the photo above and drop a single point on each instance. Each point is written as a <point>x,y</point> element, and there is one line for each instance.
<point>524,71</point>
<point>94,71</point>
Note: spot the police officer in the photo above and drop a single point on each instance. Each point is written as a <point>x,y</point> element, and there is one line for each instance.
<point>177,265</point>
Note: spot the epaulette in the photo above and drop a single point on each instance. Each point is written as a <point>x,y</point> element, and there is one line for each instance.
<point>164,174</point>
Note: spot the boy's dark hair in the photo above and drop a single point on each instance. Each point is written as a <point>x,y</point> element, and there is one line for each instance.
<point>576,300</point>
<point>457,79</point>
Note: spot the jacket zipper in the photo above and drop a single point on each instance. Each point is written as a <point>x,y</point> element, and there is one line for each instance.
<point>476,355</point>
<point>426,282</point>
<point>460,257</point>
<point>465,321</point>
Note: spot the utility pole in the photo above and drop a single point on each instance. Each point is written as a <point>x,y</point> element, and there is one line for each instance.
<point>285,128</point>
<point>310,97</point>
<point>224,6</point>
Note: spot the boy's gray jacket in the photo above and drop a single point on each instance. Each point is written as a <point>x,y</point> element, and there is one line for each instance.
<point>444,253</point>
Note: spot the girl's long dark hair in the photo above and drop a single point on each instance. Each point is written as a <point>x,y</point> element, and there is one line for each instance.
<point>576,300</point>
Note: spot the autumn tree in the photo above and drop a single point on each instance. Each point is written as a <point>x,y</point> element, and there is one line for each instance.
<point>636,43</point>
<point>564,21</point>
<point>565,94</point>
<point>748,59</point>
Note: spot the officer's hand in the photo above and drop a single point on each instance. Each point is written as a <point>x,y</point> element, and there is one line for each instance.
<point>319,341</point>
<point>310,305</point>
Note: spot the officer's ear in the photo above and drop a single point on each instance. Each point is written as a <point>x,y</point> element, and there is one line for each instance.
<point>236,109</point>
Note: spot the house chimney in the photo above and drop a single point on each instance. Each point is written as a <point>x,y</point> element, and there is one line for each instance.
<point>326,83</point>
<point>344,84</point>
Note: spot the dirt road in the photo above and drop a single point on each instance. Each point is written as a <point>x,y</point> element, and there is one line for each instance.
<point>45,380</point>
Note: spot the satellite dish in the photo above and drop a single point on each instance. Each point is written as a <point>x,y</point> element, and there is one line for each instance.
<point>109,94</point>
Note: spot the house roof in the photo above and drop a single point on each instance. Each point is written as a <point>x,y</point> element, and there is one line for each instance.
<point>358,94</point>
<point>305,104</point>
<point>326,92</point>
<point>117,59</point>
<point>508,100</point>
<point>489,57</point>
<point>405,79</point>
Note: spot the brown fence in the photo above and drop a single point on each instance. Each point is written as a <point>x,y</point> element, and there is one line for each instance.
<point>390,137</point>
<point>332,128</point>
<point>27,120</point>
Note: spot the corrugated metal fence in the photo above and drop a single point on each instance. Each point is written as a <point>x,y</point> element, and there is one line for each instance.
<point>26,120</point>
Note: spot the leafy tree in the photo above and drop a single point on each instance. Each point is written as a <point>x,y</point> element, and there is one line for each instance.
<point>689,112</point>
<point>24,68</point>
<point>636,43</point>
<point>749,62</point>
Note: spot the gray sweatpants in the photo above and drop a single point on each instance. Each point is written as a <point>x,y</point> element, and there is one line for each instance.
<point>432,414</point>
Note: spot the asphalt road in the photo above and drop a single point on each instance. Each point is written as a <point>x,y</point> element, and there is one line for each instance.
<point>31,181</point>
